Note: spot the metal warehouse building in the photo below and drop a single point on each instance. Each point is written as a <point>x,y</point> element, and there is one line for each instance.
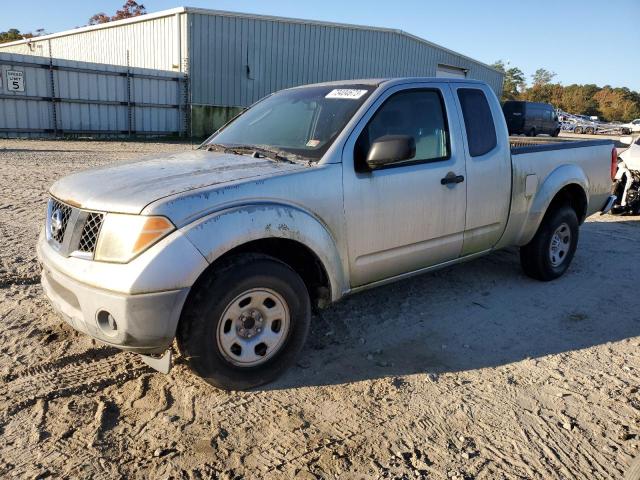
<point>231,59</point>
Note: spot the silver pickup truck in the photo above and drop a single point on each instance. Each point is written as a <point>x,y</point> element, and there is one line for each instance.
<point>313,193</point>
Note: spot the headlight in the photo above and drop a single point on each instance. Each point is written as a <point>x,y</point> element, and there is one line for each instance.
<point>122,237</point>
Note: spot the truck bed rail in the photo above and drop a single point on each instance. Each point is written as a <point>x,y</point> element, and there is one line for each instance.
<point>520,145</point>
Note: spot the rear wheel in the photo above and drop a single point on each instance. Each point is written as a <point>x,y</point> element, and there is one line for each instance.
<point>589,130</point>
<point>556,132</point>
<point>531,132</point>
<point>548,255</point>
<point>578,130</point>
<point>245,323</point>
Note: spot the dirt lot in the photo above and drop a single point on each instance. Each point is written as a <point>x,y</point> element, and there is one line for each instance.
<point>471,372</point>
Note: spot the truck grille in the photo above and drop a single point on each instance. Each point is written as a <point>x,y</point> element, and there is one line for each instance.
<point>72,231</point>
<point>90,231</point>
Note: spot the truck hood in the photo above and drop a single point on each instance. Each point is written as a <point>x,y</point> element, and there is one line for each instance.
<point>129,187</point>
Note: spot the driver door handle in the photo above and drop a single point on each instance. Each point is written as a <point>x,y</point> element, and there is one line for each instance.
<point>451,179</point>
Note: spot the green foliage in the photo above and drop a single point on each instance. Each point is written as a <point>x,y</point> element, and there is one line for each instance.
<point>608,103</point>
<point>514,80</point>
<point>12,35</point>
<point>542,77</point>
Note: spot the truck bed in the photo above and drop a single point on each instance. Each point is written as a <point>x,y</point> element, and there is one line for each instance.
<point>520,145</point>
<point>534,161</point>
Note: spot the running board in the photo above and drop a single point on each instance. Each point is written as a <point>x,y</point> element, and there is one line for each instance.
<point>161,363</point>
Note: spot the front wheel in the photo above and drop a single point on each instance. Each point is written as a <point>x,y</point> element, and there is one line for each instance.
<point>548,255</point>
<point>245,323</point>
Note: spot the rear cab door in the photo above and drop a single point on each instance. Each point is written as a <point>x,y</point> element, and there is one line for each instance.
<point>488,165</point>
<point>402,218</point>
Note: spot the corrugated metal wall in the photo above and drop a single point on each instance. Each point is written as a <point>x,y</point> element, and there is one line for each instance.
<point>149,44</point>
<point>69,97</point>
<point>236,60</point>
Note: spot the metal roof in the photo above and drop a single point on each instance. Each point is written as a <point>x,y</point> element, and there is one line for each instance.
<point>204,11</point>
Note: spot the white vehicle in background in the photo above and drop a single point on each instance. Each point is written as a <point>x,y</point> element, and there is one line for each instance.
<point>627,179</point>
<point>633,125</point>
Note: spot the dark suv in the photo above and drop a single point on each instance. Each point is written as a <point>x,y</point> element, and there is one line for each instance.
<point>530,118</point>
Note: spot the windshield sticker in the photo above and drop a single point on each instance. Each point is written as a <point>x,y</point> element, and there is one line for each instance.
<point>349,93</point>
<point>313,143</point>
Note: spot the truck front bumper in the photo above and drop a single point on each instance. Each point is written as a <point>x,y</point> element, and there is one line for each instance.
<point>142,322</point>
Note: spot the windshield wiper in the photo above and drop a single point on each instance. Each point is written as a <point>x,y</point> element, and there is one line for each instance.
<point>255,150</point>
<point>258,152</point>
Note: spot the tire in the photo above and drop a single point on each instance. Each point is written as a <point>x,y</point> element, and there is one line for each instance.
<point>531,133</point>
<point>589,130</point>
<point>556,132</point>
<point>578,130</point>
<point>219,332</point>
<point>538,258</point>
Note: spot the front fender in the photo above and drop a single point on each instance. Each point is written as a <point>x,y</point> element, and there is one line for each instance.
<point>222,231</point>
<point>555,181</point>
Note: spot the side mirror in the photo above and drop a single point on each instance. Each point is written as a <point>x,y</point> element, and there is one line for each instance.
<point>390,149</point>
<point>626,140</point>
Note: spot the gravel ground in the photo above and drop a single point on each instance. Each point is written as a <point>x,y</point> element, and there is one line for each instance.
<point>471,372</point>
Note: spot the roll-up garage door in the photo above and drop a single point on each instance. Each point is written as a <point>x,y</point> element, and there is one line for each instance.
<point>450,72</point>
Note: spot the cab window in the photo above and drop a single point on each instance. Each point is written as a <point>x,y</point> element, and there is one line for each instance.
<point>416,113</point>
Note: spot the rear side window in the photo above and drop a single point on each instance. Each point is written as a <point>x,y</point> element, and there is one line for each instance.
<point>513,108</point>
<point>478,121</point>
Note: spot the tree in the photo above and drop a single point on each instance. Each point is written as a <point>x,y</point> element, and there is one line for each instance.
<point>616,103</point>
<point>542,77</point>
<point>546,93</point>
<point>99,18</point>
<point>514,82</point>
<point>606,102</point>
<point>14,34</point>
<point>11,35</point>
<point>130,9</point>
<point>579,99</point>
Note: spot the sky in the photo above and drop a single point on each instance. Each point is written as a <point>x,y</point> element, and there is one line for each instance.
<point>589,41</point>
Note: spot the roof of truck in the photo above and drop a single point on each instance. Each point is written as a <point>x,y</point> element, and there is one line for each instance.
<point>376,82</point>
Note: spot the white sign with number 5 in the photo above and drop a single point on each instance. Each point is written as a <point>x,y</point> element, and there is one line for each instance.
<point>15,81</point>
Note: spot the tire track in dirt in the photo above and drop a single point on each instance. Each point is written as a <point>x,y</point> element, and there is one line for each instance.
<point>28,392</point>
<point>65,378</point>
<point>69,457</point>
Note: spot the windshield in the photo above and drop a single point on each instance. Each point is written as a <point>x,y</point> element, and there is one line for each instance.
<point>301,122</point>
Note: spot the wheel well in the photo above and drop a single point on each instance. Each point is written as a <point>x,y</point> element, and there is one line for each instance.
<point>572,195</point>
<point>298,256</point>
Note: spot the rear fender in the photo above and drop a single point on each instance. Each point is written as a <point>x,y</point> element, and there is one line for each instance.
<point>223,231</point>
<point>555,181</point>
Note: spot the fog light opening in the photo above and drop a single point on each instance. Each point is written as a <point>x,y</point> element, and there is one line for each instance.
<point>107,323</point>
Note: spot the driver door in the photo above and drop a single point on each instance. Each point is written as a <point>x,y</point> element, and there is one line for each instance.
<point>402,217</point>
